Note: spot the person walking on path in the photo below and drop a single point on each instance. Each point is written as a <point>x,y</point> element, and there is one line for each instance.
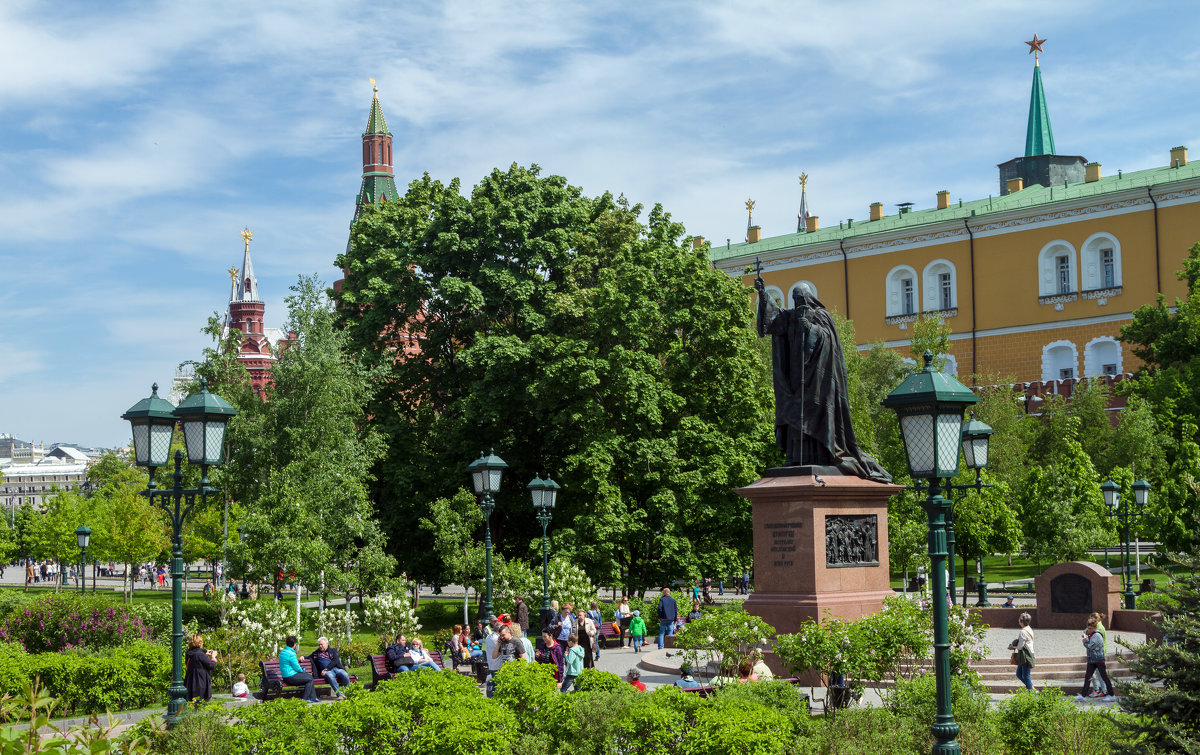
<point>624,616</point>
<point>637,631</point>
<point>197,679</point>
<point>1023,648</point>
<point>1097,685</point>
<point>522,616</point>
<point>291,672</point>
<point>573,664</point>
<point>668,611</point>
<point>1093,643</point>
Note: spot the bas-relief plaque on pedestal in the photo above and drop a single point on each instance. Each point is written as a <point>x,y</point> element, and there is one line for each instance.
<point>852,540</point>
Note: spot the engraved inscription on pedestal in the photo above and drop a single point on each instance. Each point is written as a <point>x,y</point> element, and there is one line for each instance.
<point>783,542</point>
<point>852,540</point>
<point>1071,593</point>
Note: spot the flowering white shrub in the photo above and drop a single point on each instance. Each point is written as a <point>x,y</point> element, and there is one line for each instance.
<point>723,638</point>
<point>336,624</point>
<point>390,616</point>
<point>260,627</point>
<point>568,582</point>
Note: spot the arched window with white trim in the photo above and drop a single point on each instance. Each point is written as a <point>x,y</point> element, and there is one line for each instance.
<point>1060,361</point>
<point>941,286</point>
<point>1101,262</point>
<point>1102,356</point>
<point>1058,271</point>
<point>797,285</point>
<point>903,293</point>
<point>776,294</point>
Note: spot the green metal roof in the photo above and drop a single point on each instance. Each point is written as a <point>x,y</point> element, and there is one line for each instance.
<point>376,187</point>
<point>1039,138</point>
<point>1029,197</point>
<point>375,122</point>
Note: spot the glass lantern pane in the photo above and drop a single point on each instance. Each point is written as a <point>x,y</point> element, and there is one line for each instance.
<point>477,481</point>
<point>193,438</point>
<point>539,497</point>
<point>968,451</point>
<point>550,496</point>
<point>141,444</point>
<point>214,438</point>
<point>160,443</point>
<point>949,437</point>
<point>981,452</point>
<point>918,443</point>
<point>494,479</point>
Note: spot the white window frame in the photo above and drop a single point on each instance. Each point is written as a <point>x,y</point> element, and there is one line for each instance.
<point>776,294</point>
<point>894,290</point>
<point>1093,272</point>
<point>1094,358</point>
<point>1048,268</point>
<point>931,276</point>
<point>1050,367</point>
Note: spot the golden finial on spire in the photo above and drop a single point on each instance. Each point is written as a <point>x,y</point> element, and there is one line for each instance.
<point>374,88</point>
<point>750,207</point>
<point>803,180</point>
<point>247,236</point>
<point>233,275</point>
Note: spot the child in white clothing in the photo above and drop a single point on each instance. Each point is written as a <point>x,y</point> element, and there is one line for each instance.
<point>239,687</point>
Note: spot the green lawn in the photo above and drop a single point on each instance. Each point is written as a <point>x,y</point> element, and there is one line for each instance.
<point>997,569</point>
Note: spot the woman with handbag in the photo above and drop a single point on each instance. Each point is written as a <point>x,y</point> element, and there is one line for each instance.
<point>1022,648</point>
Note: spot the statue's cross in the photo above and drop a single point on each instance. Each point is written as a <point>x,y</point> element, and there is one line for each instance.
<point>758,268</point>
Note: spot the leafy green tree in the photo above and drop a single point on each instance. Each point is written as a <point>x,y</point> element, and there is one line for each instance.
<point>452,524</point>
<point>576,338</point>
<point>52,534</point>
<point>131,529</point>
<point>1062,508</point>
<point>984,521</point>
<point>1174,511</point>
<point>930,333</point>
<point>303,477</point>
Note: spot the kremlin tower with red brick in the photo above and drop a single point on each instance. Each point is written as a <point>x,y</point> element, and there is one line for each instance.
<point>246,314</point>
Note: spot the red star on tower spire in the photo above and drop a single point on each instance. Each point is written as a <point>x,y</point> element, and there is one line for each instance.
<point>1035,47</point>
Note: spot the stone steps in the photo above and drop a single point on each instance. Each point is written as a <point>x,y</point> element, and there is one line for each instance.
<point>999,676</point>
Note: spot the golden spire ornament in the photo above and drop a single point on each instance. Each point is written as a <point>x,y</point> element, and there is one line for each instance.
<point>233,275</point>
<point>803,180</point>
<point>247,236</point>
<point>374,88</point>
<point>750,209</point>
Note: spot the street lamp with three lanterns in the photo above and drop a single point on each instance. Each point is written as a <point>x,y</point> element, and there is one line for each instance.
<point>1112,499</point>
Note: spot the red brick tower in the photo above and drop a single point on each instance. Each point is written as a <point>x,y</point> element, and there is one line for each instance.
<point>246,311</point>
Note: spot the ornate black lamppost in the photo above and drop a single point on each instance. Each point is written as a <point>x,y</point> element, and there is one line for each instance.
<point>976,437</point>
<point>203,416</point>
<point>83,536</point>
<point>930,405</point>
<point>544,493</point>
<point>486,472</point>
<point>1112,498</point>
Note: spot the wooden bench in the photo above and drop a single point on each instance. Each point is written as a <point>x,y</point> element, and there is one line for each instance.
<point>707,690</point>
<point>380,672</point>
<point>608,633</point>
<point>272,681</point>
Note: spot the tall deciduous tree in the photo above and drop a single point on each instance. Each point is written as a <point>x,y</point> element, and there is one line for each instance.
<point>577,339</point>
<point>132,529</point>
<point>303,478</point>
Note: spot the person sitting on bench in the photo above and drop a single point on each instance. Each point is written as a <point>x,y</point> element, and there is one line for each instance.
<point>327,663</point>
<point>292,674</point>
<point>421,659</point>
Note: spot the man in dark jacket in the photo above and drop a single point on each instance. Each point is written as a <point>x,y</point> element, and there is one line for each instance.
<point>668,611</point>
<point>397,656</point>
<point>522,616</point>
<point>327,663</point>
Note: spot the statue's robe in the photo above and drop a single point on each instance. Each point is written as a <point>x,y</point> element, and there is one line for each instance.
<point>812,408</point>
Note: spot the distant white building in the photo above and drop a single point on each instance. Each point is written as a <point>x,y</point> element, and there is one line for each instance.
<point>20,451</point>
<point>32,483</point>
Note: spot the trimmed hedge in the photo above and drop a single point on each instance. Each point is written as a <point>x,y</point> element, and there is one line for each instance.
<point>91,682</point>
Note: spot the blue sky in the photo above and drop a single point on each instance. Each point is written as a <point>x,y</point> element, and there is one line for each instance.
<point>137,139</point>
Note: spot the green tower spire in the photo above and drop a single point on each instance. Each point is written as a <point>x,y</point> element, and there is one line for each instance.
<point>375,122</point>
<point>1039,138</point>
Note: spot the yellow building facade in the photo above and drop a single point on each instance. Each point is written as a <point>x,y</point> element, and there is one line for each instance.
<point>1035,283</point>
